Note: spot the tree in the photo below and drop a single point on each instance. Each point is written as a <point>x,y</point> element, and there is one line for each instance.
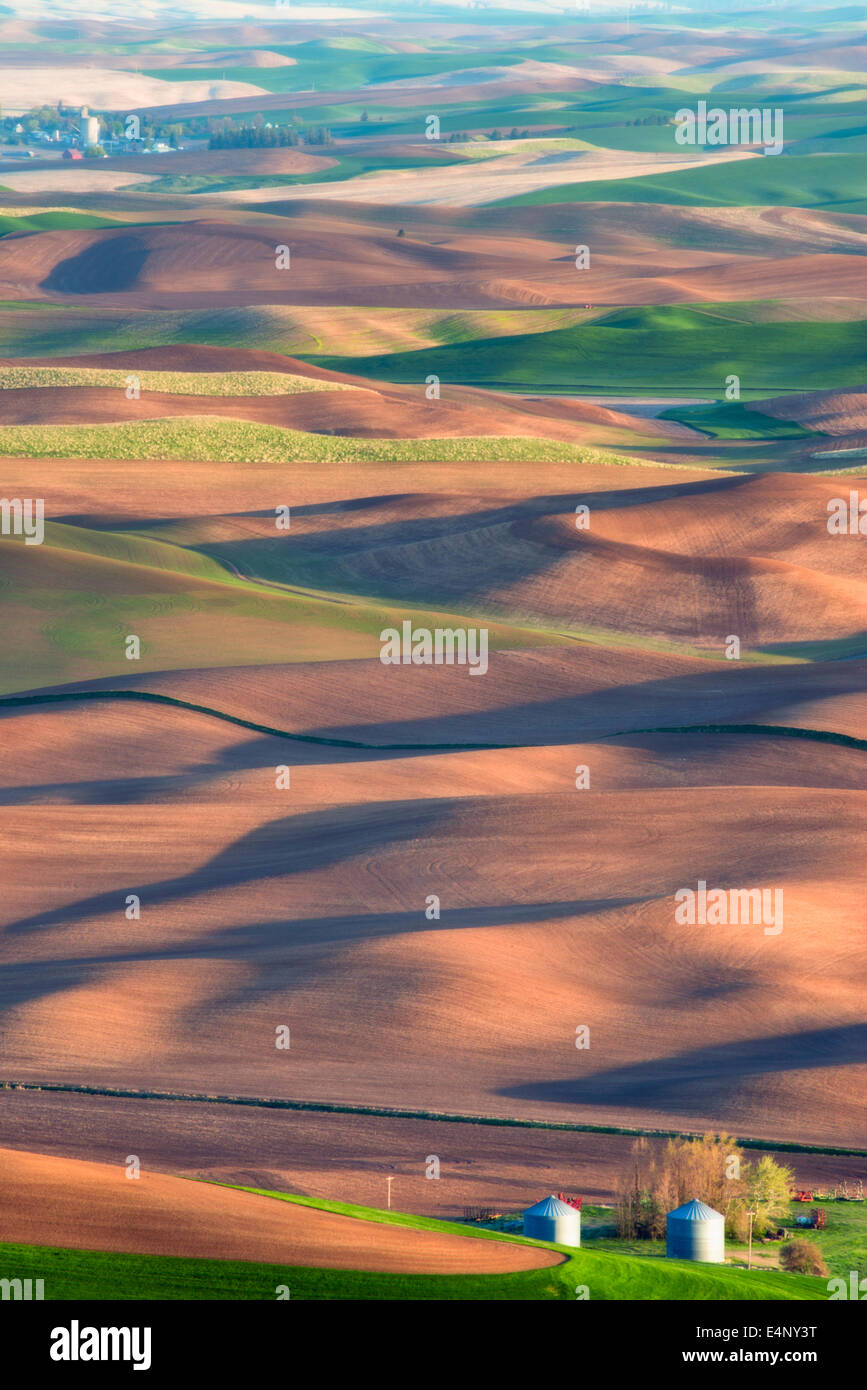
<point>639,1212</point>
<point>769,1187</point>
<point>802,1257</point>
<point>227,136</point>
<point>738,1222</point>
<point>172,133</point>
<point>708,1168</point>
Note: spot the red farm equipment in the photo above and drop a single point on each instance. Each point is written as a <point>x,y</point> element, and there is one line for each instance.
<point>570,1201</point>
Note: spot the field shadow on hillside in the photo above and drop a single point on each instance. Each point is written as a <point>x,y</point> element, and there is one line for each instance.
<point>92,271</point>
<point>693,1081</point>
<point>282,954</point>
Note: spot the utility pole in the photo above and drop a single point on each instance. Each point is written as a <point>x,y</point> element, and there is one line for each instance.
<point>751,1214</point>
<point>389,1180</point>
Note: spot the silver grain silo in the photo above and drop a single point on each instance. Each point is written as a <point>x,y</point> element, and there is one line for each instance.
<point>554,1220</point>
<point>695,1232</point>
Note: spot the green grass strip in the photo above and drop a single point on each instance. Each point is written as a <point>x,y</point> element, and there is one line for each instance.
<point>203,439</point>
<point>231,384</point>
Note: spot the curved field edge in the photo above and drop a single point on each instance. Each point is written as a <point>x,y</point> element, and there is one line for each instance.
<point>364,612</point>
<point>367,611</point>
<point>128,552</point>
<point>113,1277</point>
<point>153,697</point>
<point>606,1274</point>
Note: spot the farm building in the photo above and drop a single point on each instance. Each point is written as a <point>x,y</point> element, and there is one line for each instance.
<point>88,129</point>
<point>552,1219</point>
<point>695,1232</point>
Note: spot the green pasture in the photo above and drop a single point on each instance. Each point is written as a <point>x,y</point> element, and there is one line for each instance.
<point>585,1274</point>
<point>735,420</point>
<point>832,181</point>
<point>51,220</point>
<point>677,349</point>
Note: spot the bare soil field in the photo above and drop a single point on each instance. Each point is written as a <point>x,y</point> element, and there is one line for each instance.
<point>107,89</point>
<point>219,259</point>
<point>370,414</point>
<point>390,412</point>
<point>347,1157</point>
<point>314,915</point>
<point>94,1206</point>
<point>434,879</point>
<point>127,62</point>
<point>539,696</point>
<point>832,412</point>
<point>70,179</point>
<point>751,554</point>
<point>231,163</point>
<point>129,490</point>
<point>185,757</point>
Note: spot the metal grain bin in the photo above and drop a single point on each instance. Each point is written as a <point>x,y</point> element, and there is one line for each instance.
<point>552,1219</point>
<point>695,1232</point>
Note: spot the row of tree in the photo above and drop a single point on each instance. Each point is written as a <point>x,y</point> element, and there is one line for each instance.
<point>268,137</point>
<point>714,1169</point>
<point>462,136</point>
